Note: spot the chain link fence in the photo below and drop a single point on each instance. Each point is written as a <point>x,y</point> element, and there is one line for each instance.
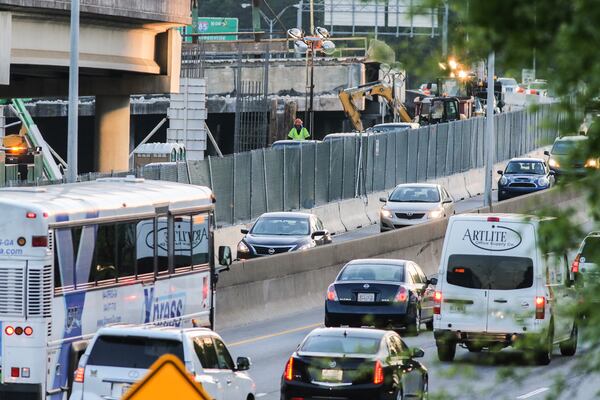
<point>290,178</point>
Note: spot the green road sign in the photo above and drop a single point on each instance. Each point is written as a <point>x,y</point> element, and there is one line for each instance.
<point>213,28</point>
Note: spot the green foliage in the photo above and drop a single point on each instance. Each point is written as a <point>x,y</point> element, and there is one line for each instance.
<point>381,52</point>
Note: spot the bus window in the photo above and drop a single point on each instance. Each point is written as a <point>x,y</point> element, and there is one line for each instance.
<point>126,241</point>
<point>104,264</point>
<point>200,230</point>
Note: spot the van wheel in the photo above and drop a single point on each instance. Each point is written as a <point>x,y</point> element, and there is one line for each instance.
<point>446,350</point>
<point>569,347</point>
<point>473,348</point>
<point>543,355</point>
<point>429,325</point>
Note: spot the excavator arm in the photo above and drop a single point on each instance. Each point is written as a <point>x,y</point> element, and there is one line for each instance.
<point>349,98</point>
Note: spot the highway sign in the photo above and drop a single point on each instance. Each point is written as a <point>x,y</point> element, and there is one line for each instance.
<point>214,28</point>
<point>167,379</point>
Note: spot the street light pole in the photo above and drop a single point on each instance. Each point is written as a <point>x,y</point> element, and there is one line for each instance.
<point>312,87</point>
<point>489,133</point>
<point>73,94</point>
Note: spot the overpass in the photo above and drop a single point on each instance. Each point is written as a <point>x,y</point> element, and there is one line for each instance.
<point>126,47</point>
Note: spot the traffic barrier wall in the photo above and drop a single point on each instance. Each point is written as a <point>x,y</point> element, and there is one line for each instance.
<point>264,288</point>
<point>353,213</point>
<point>330,216</point>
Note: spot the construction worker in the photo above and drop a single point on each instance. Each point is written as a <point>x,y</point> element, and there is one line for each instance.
<point>298,132</point>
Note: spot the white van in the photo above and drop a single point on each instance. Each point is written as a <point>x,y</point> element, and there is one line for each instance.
<point>496,289</point>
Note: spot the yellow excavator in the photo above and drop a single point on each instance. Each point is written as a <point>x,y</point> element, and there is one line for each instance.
<point>349,98</point>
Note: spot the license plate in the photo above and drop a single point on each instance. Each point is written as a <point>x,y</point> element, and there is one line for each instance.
<point>366,297</point>
<point>331,375</point>
<point>124,389</point>
<point>459,308</point>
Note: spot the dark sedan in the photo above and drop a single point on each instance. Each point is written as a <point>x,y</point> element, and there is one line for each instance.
<point>282,232</point>
<point>347,363</point>
<point>523,176</point>
<point>381,293</point>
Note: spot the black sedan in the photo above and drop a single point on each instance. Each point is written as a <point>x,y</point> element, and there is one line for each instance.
<point>281,232</point>
<point>381,293</point>
<point>351,363</point>
<point>523,176</point>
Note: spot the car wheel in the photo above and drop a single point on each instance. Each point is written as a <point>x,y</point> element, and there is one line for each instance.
<point>400,394</point>
<point>569,347</point>
<point>414,327</point>
<point>543,355</point>
<point>446,350</point>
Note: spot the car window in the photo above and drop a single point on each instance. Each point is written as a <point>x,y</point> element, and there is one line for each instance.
<point>419,272</point>
<point>373,272</point>
<point>563,147</point>
<point>413,273</point>
<point>490,272</point>
<point>281,226</point>
<point>339,344</point>
<point>392,347</point>
<point>320,226</point>
<point>452,110</point>
<point>408,194</point>
<point>526,168</point>
<point>205,350</point>
<point>591,250</point>
<point>132,351</point>
<point>225,360</point>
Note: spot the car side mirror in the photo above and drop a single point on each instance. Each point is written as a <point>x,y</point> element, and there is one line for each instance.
<point>225,257</point>
<point>447,201</point>
<point>316,234</point>
<point>546,153</point>
<point>552,173</point>
<point>432,281</point>
<point>500,172</point>
<point>383,199</point>
<point>244,231</point>
<point>243,364</point>
<point>417,353</point>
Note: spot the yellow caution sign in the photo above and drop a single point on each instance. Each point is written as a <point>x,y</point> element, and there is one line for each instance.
<point>167,379</point>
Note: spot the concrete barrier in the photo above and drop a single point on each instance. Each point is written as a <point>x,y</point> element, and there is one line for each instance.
<point>330,215</point>
<point>264,288</point>
<point>374,205</point>
<point>229,236</point>
<point>353,213</point>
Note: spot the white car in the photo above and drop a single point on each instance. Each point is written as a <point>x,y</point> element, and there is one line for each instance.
<point>495,288</point>
<point>393,127</point>
<point>509,85</point>
<point>413,204</point>
<point>120,355</point>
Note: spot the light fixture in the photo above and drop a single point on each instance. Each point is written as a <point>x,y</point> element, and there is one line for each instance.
<point>322,32</point>
<point>328,47</point>
<point>300,47</point>
<point>296,33</point>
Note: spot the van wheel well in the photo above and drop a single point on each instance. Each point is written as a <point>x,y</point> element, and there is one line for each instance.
<point>250,397</point>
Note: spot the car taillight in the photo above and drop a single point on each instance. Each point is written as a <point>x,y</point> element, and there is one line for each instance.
<point>533,91</point>
<point>540,307</point>
<point>437,302</point>
<point>575,265</point>
<point>331,293</point>
<point>402,295</point>
<point>39,241</point>
<point>79,374</point>
<point>378,375</point>
<point>289,370</point>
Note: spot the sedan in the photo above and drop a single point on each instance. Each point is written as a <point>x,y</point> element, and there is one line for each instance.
<point>413,204</point>
<point>282,232</point>
<point>353,364</point>
<point>523,176</point>
<point>383,293</point>
<point>563,158</point>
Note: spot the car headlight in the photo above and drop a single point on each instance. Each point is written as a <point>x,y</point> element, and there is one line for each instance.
<point>242,248</point>
<point>386,213</point>
<point>436,214</point>
<point>543,181</point>
<point>553,163</point>
<point>592,163</point>
<point>503,181</point>
<point>306,246</point>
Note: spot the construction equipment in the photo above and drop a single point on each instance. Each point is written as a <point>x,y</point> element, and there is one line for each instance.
<point>350,97</point>
<point>437,110</point>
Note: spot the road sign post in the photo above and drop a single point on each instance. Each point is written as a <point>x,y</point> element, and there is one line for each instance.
<point>167,379</point>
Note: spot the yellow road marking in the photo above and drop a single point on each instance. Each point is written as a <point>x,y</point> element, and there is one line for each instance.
<point>272,335</point>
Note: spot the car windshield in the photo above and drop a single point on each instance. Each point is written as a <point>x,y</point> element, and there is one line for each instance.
<point>344,345</point>
<point>591,250</point>
<point>490,272</point>
<point>527,168</point>
<point>415,195</point>
<point>281,226</point>
<point>381,128</point>
<point>563,147</point>
<point>132,351</point>
<point>508,82</point>
<point>373,272</point>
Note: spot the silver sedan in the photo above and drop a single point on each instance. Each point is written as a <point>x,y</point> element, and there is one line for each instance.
<point>413,204</point>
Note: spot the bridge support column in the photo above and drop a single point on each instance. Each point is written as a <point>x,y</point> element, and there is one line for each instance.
<point>112,133</point>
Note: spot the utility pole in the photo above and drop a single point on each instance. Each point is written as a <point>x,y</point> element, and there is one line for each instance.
<point>489,132</point>
<point>299,14</point>
<point>73,95</point>
<point>445,31</point>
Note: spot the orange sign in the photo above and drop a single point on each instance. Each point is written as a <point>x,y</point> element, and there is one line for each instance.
<point>167,379</point>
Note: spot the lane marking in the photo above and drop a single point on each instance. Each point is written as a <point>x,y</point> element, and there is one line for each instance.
<point>534,393</point>
<point>272,335</point>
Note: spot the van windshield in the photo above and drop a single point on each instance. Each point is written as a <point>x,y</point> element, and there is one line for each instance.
<point>132,351</point>
<point>490,272</point>
<point>591,250</point>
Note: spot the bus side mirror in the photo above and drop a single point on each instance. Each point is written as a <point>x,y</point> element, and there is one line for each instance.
<point>225,258</point>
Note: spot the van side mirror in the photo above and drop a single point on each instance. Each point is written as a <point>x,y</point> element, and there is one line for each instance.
<point>243,364</point>
<point>432,281</point>
<point>225,258</point>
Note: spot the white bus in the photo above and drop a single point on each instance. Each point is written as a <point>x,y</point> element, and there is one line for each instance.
<point>76,257</point>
